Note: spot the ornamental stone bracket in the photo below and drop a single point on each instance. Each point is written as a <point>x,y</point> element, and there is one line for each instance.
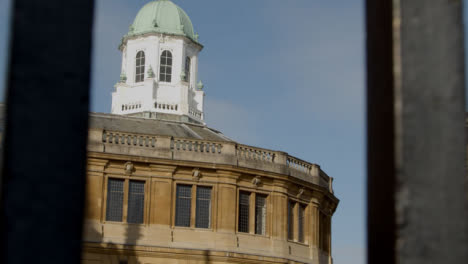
<point>129,167</point>
<point>196,174</point>
<point>256,181</point>
<point>300,193</point>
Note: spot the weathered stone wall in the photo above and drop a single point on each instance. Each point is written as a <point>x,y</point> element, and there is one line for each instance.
<point>159,240</point>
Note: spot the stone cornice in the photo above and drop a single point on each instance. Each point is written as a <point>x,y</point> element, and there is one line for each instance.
<point>126,38</point>
<point>222,170</point>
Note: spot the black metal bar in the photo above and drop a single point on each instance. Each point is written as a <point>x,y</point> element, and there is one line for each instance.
<point>431,194</point>
<point>380,133</point>
<point>46,130</point>
<point>417,186</point>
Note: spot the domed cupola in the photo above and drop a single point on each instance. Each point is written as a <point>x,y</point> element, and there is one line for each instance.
<point>162,16</point>
<point>159,74</point>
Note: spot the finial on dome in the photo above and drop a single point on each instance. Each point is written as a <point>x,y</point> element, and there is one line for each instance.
<point>196,36</point>
<point>123,77</point>
<point>200,85</point>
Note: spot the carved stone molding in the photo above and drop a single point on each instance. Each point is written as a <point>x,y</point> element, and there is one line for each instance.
<point>129,167</point>
<point>256,181</point>
<point>196,174</point>
<point>300,192</point>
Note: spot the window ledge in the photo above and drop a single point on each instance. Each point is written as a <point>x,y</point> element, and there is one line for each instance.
<point>298,243</point>
<point>122,223</point>
<point>193,228</point>
<point>253,235</point>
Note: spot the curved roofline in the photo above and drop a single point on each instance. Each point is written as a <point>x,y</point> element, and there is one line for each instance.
<point>160,16</point>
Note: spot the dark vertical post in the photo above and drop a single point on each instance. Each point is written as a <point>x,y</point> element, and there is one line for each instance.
<point>431,194</point>
<point>46,129</point>
<point>380,133</point>
<point>417,188</point>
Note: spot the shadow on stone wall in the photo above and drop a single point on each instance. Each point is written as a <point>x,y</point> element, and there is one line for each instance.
<point>132,234</point>
<point>115,253</point>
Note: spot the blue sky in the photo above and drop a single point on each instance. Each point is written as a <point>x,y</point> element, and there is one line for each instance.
<point>284,75</point>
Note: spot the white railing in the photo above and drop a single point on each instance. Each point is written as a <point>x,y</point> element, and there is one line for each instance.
<point>130,107</point>
<point>195,113</point>
<point>166,107</point>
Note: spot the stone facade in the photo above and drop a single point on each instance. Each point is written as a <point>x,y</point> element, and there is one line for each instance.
<point>164,154</point>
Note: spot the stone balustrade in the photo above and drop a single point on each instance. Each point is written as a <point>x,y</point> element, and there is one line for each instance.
<point>195,113</point>
<point>248,152</point>
<point>166,107</point>
<point>130,107</point>
<point>128,139</point>
<point>229,153</point>
<point>179,144</point>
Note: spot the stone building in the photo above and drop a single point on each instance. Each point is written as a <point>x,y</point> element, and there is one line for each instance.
<point>162,187</point>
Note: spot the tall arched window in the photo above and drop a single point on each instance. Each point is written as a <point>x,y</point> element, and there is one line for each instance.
<point>165,72</point>
<point>140,67</point>
<point>187,69</point>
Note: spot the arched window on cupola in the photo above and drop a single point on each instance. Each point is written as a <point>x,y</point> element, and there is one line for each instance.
<point>165,72</point>
<point>187,69</point>
<point>140,67</point>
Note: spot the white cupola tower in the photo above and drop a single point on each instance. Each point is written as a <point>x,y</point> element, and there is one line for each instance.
<point>159,66</point>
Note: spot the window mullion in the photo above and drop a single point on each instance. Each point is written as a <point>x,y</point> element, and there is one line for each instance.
<point>125,201</point>
<point>295,221</point>
<point>193,206</point>
<point>252,213</point>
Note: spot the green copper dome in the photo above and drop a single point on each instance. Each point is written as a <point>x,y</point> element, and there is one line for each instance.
<point>162,16</point>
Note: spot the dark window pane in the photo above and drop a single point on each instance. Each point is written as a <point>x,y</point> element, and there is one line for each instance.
<point>140,54</point>
<point>140,67</point>
<point>183,205</point>
<point>187,69</point>
<point>260,214</point>
<point>203,215</point>
<point>136,202</point>
<point>290,220</point>
<point>165,66</point>
<point>244,198</point>
<point>114,200</point>
<point>300,222</point>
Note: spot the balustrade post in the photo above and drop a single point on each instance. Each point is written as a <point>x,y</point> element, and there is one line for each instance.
<point>163,143</point>
<point>315,170</point>
<point>95,138</point>
<point>280,158</point>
